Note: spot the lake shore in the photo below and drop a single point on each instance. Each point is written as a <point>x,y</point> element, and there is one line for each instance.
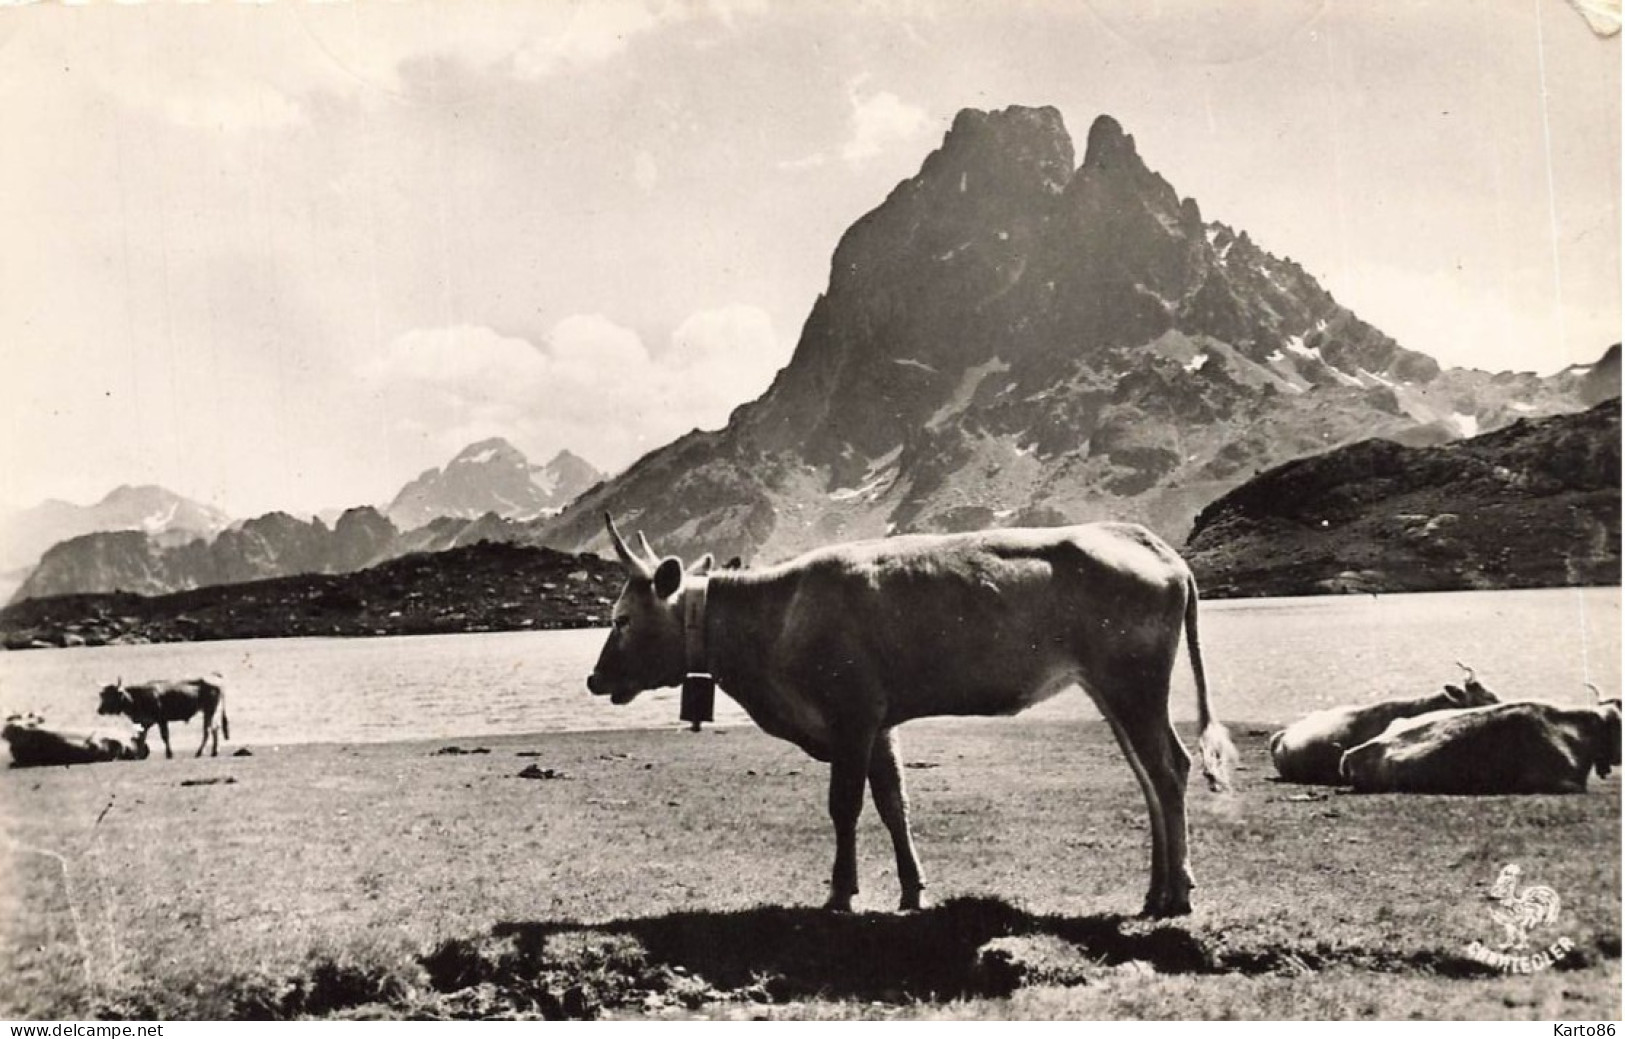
<point>668,873</point>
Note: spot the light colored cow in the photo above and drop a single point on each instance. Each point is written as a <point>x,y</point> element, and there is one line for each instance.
<point>1524,747</point>
<point>159,703</point>
<point>1310,750</point>
<point>833,650</point>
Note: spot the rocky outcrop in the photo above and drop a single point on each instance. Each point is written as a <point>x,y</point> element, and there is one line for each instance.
<point>480,587</point>
<point>1536,504</point>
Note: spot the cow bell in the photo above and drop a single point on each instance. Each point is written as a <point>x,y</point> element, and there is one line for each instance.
<point>699,698</point>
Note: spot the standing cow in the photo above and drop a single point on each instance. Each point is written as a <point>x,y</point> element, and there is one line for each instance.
<point>832,651</point>
<point>159,703</point>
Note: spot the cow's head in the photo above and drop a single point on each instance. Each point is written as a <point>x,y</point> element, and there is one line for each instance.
<point>1608,753</point>
<point>114,699</point>
<point>645,648</point>
<point>1470,693</point>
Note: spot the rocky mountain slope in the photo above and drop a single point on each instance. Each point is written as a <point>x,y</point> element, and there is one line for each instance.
<point>480,587</point>
<point>491,476</point>
<point>1536,504</point>
<point>1012,339</point>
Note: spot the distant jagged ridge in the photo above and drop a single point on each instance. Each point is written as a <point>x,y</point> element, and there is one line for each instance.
<point>486,491</point>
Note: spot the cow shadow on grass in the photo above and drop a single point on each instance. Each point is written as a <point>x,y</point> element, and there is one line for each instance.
<point>689,961</point>
<point>965,948</point>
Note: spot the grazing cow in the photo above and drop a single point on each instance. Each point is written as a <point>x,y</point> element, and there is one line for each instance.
<point>32,745</point>
<point>1525,747</point>
<point>1310,750</point>
<point>159,703</point>
<point>833,650</point>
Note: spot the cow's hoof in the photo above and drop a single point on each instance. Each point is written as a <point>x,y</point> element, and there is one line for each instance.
<point>912,901</point>
<point>1163,906</point>
<point>838,903</point>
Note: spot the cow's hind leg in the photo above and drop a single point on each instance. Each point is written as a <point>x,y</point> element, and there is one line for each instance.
<point>891,801</point>
<point>1139,718</point>
<point>208,723</point>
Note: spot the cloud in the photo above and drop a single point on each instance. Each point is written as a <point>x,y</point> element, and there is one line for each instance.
<point>878,120</point>
<point>591,386</point>
<point>593,33</point>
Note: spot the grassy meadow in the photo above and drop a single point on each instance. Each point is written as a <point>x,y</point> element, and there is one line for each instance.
<point>668,873</point>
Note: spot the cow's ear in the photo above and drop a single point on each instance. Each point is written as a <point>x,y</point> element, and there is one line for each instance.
<point>1455,694</point>
<point>668,577</point>
<point>702,566</point>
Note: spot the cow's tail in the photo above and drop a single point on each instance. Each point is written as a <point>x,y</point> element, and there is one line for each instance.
<point>1218,754</point>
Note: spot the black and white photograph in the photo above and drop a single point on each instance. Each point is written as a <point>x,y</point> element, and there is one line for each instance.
<point>809,510</point>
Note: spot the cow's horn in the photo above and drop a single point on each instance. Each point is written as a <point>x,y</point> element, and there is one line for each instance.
<point>648,553</point>
<point>1595,691</point>
<point>628,560</point>
<point>1472,676</point>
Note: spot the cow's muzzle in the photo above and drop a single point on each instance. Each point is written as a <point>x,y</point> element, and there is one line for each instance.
<point>598,687</point>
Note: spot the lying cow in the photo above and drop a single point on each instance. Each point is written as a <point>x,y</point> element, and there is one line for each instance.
<point>1524,747</point>
<point>32,745</point>
<point>1310,750</point>
<point>834,650</point>
<point>159,703</point>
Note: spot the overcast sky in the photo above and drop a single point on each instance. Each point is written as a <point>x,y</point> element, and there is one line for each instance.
<point>287,256</point>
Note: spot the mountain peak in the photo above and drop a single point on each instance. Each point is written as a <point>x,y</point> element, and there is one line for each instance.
<point>145,492</point>
<point>1109,147</point>
<point>490,475</point>
<point>569,458</point>
<point>1011,142</point>
<point>492,449</point>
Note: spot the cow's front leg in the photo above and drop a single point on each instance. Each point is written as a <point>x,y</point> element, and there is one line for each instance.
<point>891,801</point>
<point>848,774</point>
<point>163,730</point>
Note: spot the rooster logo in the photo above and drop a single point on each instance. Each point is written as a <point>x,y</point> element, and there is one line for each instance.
<point>1517,912</point>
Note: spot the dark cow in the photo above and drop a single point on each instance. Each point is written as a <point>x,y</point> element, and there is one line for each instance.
<point>834,650</point>
<point>1524,747</point>
<point>1310,750</point>
<point>159,703</point>
<point>32,745</point>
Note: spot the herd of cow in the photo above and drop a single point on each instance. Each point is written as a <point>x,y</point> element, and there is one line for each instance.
<point>1464,740</point>
<point>145,705</point>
